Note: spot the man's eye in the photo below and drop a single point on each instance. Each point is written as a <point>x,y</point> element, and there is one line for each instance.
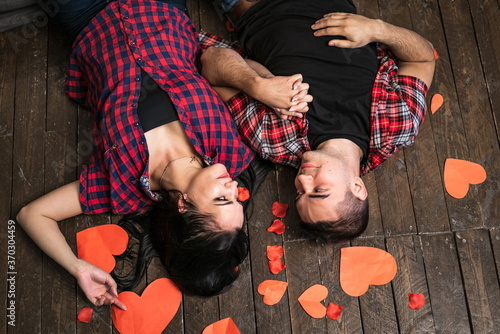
<point>319,190</point>
<point>297,195</point>
<point>222,198</point>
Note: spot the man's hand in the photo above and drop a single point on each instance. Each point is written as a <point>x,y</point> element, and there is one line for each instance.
<point>98,285</point>
<point>287,95</point>
<point>358,30</point>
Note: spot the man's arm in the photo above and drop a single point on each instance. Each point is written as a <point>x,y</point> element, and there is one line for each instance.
<point>415,53</point>
<point>39,219</point>
<point>224,67</point>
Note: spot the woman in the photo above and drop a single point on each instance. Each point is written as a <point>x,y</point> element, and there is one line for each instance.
<point>160,136</point>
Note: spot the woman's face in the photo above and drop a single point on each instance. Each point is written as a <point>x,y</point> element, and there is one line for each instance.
<point>215,193</point>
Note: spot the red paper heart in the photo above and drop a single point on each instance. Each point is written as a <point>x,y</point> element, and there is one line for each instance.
<point>243,194</point>
<point>272,291</point>
<point>274,252</point>
<point>85,315</point>
<point>458,174</point>
<point>277,227</point>
<point>416,300</point>
<point>224,326</point>
<point>149,313</point>
<point>361,267</point>
<point>279,209</point>
<point>436,56</point>
<point>436,102</point>
<point>333,311</point>
<point>97,245</point>
<point>276,266</point>
<point>311,298</point>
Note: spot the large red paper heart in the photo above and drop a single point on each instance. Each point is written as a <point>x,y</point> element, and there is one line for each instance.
<point>97,245</point>
<point>311,298</point>
<point>458,174</point>
<point>361,267</point>
<point>224,326</point>
<point>272,291</point>
<point>151,312</point>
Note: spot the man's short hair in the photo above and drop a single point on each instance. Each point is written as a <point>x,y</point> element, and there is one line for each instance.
<point>354,215</point>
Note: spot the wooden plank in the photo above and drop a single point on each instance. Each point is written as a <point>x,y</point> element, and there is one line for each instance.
<point>211,20</point>
<point>28,176</point>
<point>276,318</point>
<point>374,228</point>
<point>7,99</point>
<point>475,106</point>
<point>485,14</point>
<point>58,286</point>
<point>302,271</point>
<point>378,311</point>
<point>350,318</point>
<point>155,271</point>
<point>495,242</point>
<point>480,280</point>
<point>199,312</point>
<point>446,290</point>
<point>410,278</point>
<point>193,8</point>
<point>447,125</point>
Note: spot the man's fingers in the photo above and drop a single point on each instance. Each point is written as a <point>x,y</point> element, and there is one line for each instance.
<point>299,107</point>
<point>297,80</point>
<point>330,31</point>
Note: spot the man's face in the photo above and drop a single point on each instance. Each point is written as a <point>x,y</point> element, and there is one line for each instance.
<point>321,184</point>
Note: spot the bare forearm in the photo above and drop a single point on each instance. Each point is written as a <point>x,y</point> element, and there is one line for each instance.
<point>406,45</point>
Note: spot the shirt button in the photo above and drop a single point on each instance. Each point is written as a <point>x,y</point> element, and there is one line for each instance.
<point>126,17</point>
<point>138,78</point>
<point>141,142</point>
<point>139,59</point>
<point>134,105</point>
<point>136,123</point>
<point>132,43</point>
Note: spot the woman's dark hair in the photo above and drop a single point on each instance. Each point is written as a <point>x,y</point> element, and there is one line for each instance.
<point>200,257</point>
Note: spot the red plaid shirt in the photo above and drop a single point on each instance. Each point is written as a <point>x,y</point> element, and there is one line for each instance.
<point>398,108</point>
<point>104,75</point>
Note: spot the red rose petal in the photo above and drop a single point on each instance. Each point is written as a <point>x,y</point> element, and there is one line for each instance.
<point>85,314</point>
<point>333,311</point>
<point>279,209</point>
<point>277,227</point>
<point>229,26</point>
<point>417,300</point>
<point>436,54</point>
<point>274,252</point>
<point>243,194</point>
<point>275,266</point>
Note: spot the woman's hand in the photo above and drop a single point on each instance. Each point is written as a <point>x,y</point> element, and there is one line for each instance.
<point>98,285</point>
<point>287,95</point>
<point>358,30</point>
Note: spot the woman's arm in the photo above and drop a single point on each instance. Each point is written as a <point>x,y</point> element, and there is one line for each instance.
<point>415,53</point>
<point>224,67</point>
<point>39,219</point>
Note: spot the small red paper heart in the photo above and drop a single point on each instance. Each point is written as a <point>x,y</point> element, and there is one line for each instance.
<point>416,300</point>
<point>333,311</point>
<point>149,313</point>
<point>243,194</point>
<point>277,227</point>
<point>275,266</point>
<point>458,174</point>
<point>311,298</point>
<point>97,245</point>
<point>274,252</point>
<point>272,291</point>
<point>224,326</point>
<point>279,209</point>
<point>361,267</point>
<point>436,54</point>
<point>85,315</point>
<point>229,26</point>
<point>436,102</point>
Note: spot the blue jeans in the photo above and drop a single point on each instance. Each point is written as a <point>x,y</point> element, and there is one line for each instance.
<point>74,15</point>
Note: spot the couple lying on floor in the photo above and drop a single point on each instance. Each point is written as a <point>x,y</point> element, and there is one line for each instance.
<point>314,91</point>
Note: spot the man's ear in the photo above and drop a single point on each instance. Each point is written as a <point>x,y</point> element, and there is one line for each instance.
<point>182,204</point>
<point>359,189</point>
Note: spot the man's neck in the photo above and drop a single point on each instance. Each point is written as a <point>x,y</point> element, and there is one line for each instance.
<point>344,149</point>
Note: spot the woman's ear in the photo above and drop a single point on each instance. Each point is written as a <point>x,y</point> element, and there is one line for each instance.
<point>182,204</point>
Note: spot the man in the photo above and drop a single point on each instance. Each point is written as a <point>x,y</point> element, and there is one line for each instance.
<point>369,100</point>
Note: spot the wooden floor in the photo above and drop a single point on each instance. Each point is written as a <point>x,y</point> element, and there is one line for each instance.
<point>446,248</point>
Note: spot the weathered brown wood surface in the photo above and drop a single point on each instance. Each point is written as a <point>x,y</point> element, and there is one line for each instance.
<point>447,249</point>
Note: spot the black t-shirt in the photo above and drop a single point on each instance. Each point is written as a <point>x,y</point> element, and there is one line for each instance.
<point>155,107</point>
<point>278,34</point>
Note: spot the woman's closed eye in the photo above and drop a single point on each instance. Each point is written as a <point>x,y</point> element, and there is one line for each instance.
<point>221,198</point>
